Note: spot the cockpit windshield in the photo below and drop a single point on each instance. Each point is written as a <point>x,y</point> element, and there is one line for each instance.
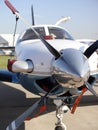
<point>51,32</point>
<point>30,35</point>
<point>59,33</point>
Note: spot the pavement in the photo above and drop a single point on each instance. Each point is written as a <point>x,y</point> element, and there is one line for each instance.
<point>14,100</point>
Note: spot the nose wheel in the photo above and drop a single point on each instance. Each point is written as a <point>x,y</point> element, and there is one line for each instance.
<point>59,114</point>
<point>60,127</point>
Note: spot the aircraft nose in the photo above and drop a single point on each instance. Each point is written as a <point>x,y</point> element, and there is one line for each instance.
<point>71,68</point>
<point>76,61</point>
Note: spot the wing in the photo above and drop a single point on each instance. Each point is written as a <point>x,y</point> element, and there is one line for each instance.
<point>7,76</point>
<point>8,47</point>
<point>11,50</point>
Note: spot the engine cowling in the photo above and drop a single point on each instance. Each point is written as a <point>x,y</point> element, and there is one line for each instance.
<point>20,66</point>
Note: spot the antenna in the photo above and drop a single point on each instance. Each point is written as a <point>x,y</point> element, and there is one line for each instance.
<point>32,15</point>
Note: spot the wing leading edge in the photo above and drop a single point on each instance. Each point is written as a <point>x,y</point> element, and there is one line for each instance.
<point>7,76</point>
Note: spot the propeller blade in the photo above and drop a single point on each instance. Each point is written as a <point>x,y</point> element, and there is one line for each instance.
<point>32,14</point>
<point>12,8</point>
<point>49,47</point>
<point>16,123</point>
<point>90,50</point>
<point>90,88</point>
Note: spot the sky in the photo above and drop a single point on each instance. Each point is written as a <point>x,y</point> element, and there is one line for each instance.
<point>83,13</point>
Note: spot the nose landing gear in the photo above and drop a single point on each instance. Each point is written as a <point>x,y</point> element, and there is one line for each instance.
<point>59,114</point>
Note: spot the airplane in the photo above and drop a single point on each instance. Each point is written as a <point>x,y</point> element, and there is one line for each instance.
<point>51,64</point>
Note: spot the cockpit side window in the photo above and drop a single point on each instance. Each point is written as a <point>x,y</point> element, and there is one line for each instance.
<point>30,35</point>
<point>59,33</point>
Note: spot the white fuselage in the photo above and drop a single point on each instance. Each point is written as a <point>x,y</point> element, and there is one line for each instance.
<point>37,52</point>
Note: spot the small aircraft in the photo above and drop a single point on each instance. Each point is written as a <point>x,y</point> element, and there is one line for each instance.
<point>52,65</point>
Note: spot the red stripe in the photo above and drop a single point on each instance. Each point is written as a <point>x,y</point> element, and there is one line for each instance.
<point>9,5</point>
<point>77,101</point>
<point>42,109</point>
<point>28,118</point>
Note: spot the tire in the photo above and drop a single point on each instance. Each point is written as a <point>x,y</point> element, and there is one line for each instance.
<point>59,128</point>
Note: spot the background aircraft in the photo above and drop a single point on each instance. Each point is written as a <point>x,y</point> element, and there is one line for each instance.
<point>49,63</point>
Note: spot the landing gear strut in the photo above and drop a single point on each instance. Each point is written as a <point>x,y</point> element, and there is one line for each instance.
<point>59,114</point>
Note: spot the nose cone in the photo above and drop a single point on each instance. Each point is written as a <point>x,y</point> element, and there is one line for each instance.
<point>72,69</point>
<point>76,62</point>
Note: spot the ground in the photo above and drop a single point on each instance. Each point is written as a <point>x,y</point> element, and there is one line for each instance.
<point>14,100</point>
